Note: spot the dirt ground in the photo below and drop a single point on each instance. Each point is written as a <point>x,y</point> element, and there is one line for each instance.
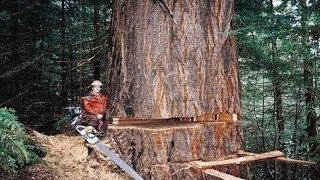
<point>68,157</point>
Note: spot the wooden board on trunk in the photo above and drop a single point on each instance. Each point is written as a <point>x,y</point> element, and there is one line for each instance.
<point>240,160</point>
<point>280,159</point>
<point>295,161</point>
<point>212,173</point>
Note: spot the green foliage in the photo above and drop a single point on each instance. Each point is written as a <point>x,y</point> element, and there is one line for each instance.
<point>273,47</point>
<point>32,56</point>
<point>14,152</point>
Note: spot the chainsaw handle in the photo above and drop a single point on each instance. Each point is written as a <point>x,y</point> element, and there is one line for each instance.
<point>81,130</point>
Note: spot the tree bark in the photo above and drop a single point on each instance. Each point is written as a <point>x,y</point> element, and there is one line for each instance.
<point>263,114</point>
<point>164,151</point>
<point>278,88</point>
<point>279,121</point>
<point>173,58</point>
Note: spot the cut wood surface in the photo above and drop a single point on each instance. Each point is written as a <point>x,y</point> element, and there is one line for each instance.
<point>240,160</point>
<point>221,117</point>
<point>217,174</point>
<point>132,121</point>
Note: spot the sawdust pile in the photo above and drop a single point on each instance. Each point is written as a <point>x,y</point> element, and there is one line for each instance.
<point>69,157</point>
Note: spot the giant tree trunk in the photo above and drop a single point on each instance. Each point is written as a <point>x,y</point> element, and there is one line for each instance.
<point>169,59</point>
<point>172,58</point>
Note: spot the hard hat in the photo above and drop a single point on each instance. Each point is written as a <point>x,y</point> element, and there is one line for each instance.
<point>96,83</point>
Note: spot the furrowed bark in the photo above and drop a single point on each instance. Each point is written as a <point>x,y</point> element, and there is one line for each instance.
<point>172,58</point>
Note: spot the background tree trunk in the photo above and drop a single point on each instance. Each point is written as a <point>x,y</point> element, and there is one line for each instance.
<point>308,76</point>
<point>63,60</point>
<point>96,61</point>
<point>172,58</point>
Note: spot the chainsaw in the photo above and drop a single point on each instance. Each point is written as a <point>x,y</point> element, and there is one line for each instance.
<point>91,137</point>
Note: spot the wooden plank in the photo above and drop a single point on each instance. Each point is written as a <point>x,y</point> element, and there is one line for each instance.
<point>206,118</point>
<point>243,153</point>
<point>220,175</point>
<point>280,159</point>
<point>226,117</point>
<point>240,160</point>
<point>129,121</point>
<point>301,162</point>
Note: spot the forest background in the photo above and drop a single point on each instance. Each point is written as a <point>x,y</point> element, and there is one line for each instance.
<point>51,50</point>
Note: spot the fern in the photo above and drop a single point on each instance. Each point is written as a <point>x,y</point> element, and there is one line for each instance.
<point>14,152</point>
<point>9,121</point>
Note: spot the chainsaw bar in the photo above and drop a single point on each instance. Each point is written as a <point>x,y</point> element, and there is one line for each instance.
<point>92,139</point>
